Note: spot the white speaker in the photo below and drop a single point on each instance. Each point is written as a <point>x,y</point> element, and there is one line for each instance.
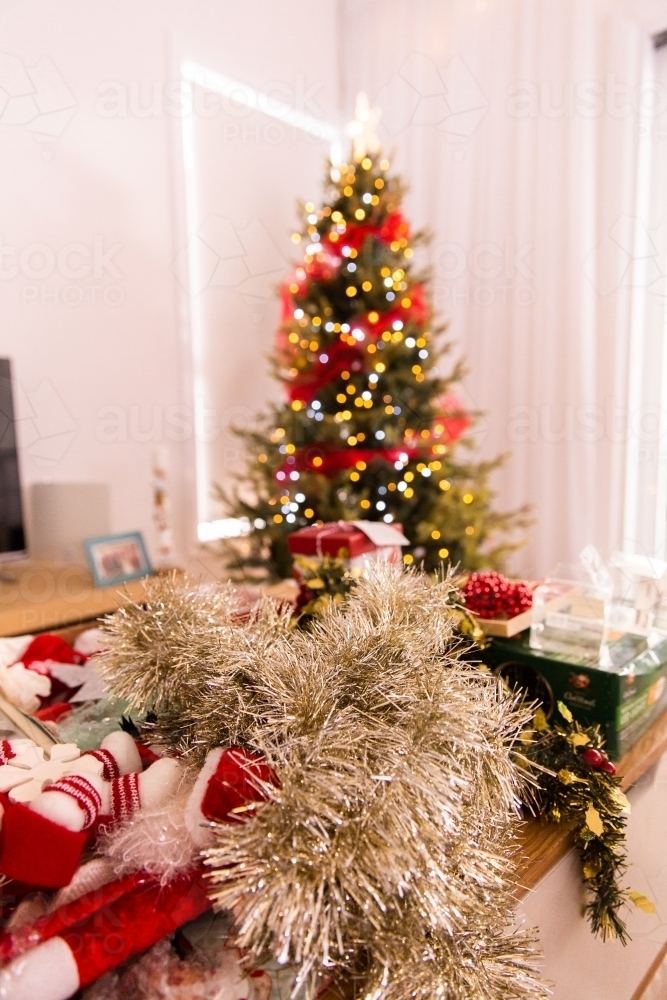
<point>61,515</point>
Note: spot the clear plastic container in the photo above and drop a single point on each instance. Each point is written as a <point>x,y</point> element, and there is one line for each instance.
<point>640,589</point>
<point>571,610</point>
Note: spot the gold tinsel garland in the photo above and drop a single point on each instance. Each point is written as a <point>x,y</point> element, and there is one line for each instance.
<point>565,787</point>
<point>386,854</point>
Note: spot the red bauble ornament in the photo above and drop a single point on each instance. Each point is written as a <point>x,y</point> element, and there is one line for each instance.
<point>490,595</point>
<point>607,766</point>
<point>323,267</point>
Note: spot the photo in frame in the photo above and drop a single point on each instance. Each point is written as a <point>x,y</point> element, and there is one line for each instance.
<point>117,558</point>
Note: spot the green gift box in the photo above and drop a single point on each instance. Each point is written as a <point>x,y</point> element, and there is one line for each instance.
<point>623,699</point>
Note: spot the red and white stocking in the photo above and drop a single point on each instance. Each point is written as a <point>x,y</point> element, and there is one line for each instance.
<point>76,952</point>
<point>41,843</point>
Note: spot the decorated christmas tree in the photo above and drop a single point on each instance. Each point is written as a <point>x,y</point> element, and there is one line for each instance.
<point>370,428</point>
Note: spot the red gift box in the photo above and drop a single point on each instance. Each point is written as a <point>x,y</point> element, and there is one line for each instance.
<point>356,538</point>
<point>329,539</point>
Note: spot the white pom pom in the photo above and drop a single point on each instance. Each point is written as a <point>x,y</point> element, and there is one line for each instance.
<point>91,641</point>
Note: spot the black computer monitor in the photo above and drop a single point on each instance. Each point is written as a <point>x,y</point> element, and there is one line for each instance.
<point>12,537</point>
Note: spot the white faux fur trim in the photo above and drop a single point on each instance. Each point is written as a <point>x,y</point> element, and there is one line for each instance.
<point>198,826</point>
<point>155,840</point>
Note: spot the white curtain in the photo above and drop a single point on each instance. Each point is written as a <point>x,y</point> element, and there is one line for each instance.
<point>645,507</point>
<point>516,124</point>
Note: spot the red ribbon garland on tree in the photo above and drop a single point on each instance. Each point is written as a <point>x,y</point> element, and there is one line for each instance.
<point>348,354</point>
<point>342,355</point>
<point>317,458</point>
<point>324,458</point>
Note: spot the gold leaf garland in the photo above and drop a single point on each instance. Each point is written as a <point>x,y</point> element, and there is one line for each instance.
<point>569,790</point>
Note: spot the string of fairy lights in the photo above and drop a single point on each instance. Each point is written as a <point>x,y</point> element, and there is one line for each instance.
<point>329,254</point>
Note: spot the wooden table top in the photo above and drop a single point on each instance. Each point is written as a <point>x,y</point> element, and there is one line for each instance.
<point>35,597</point>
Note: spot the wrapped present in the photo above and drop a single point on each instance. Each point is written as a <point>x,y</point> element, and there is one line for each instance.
<point>623,699</point>
<point>351,540</point>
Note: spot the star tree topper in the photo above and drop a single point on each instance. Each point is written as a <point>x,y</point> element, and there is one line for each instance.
<point>363,130</point>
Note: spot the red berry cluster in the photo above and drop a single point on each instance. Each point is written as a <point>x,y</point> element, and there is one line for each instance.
<point>598,760</point>
<point>490,595</point>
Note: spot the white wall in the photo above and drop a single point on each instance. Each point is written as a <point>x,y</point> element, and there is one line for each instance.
<point>84,340</point>
<point>112,174</point>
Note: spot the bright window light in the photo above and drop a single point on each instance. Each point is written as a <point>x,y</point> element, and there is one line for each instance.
<point>195,75</point>
<point>226,527</point>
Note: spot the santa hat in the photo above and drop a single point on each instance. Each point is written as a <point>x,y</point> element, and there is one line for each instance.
<point>29,682</point>
<point>229,781</point>
<point>45,649</point>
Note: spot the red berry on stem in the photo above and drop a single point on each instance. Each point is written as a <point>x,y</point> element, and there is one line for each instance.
<point>608,767</point>
<point>594,758</point>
